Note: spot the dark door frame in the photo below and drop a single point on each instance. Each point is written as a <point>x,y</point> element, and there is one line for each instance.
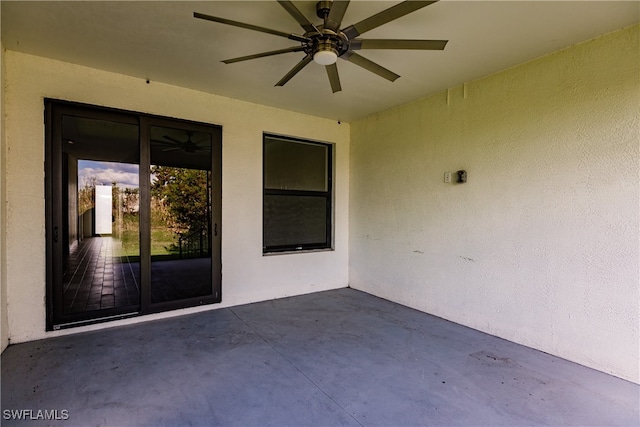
<point>54,212</point>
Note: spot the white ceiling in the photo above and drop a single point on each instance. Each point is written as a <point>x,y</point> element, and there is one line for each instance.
<point>161,41</point>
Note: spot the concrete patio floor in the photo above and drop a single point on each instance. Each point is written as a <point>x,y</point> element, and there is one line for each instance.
<point>332,358</point>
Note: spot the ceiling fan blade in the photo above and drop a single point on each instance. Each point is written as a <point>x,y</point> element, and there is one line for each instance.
<point>338,8</point>
<point>250,27</point>
<point>298,16</point>
<point>295,70</point>
<point>334,78</point>
<point>157,141</point>
<point>387,15</point>
<point>206,142</point>
<point>264,54</point>
<point>172,149</point>
<point>172,139</point>
<point>369,65</point>
<point>357,44</point>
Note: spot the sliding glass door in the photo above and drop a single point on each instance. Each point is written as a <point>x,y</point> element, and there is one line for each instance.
<point>133,213</point>
<point>182,227</point>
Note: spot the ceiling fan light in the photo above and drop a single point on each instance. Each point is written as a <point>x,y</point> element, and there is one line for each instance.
<point>325,57</point>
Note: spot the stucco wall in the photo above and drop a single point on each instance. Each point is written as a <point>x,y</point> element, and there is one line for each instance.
<point>247,275</point>
<point>4,321</point>
<point>540,246</point>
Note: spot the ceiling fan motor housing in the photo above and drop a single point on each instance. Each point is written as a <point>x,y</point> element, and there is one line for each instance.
<point>326,41</point>
<point>323,8</point>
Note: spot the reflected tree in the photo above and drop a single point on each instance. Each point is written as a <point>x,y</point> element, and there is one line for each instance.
<point>183,193</point>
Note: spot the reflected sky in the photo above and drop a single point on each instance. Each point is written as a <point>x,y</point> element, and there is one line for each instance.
<point>106,173</point>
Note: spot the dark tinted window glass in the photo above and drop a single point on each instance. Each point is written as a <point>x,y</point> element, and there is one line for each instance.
<point>295,220</point>
<point>295,165</point>
<point>180,214</point>
<point>297,194</point>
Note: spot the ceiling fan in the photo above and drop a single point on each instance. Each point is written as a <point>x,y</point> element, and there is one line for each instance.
<point>187,146</point>
<point>325,43</point>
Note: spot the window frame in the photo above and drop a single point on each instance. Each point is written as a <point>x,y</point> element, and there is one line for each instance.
<point>327,195</point>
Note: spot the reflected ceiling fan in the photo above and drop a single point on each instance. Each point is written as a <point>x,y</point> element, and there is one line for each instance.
<point>325,43</point>
<point>187,146</point>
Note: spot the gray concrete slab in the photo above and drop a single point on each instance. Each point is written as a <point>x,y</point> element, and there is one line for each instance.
<point>331,358</point>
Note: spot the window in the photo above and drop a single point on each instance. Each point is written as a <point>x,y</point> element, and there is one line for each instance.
<point>297,199</point>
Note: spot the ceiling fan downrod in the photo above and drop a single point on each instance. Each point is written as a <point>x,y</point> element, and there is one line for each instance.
<point>323,8</point>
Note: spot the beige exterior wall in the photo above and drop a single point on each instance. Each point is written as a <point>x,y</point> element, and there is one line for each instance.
<point>540,246</point>
<point>4,320</point>
<point>247,275</point>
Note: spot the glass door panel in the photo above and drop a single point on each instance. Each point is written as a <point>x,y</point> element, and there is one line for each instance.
<point>181,226</point>
<point>100,220</point>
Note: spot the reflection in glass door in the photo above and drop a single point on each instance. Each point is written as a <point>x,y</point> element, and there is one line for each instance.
<point>101,250</point>
<point>180,179</point>
<point>103,269</point>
